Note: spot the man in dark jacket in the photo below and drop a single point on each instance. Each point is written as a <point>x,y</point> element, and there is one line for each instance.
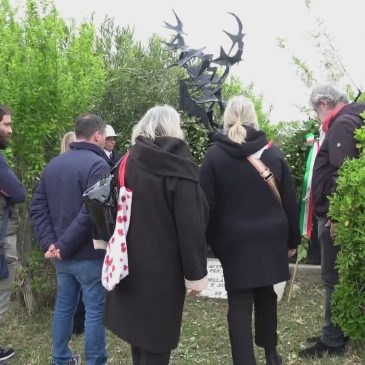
<point>11,192</point>
<point>63,228</point>
<point>339,122</point>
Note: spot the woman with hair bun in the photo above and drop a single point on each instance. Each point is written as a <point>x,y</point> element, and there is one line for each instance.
<point>253,226</point>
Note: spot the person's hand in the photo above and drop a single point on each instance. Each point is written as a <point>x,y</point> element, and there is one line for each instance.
<point>53,252</point>
<point>330,225</point>
<point>193,293</point>
<point>4,193</point>
<point>50,253</point>
<point>58,254</point>
<point>332,230</point>
<point>291,252</point>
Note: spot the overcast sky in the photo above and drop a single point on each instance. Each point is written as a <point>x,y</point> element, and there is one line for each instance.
<point>264,63</point>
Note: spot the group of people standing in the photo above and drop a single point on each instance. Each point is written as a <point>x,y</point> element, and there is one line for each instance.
<point>241,201</point>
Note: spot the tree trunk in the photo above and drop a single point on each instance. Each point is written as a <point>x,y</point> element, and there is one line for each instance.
<point>25,245</point>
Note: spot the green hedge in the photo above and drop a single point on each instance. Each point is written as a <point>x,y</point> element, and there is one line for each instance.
<point>347,210</point>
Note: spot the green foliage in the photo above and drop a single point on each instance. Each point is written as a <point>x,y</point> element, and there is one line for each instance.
<point>347,210</point>
<point>138,78</point>
<point>290,138</point>
<point>197,137</point>
<point>43,280</point>
<point>50,72</point>
<point>302,252</point>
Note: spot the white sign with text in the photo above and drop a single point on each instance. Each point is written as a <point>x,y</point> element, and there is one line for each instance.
<point>216,289</point>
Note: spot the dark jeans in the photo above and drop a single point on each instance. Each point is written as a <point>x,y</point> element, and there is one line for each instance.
<point>142,357</point>
<point>239,316</point>
<point>331,334</point>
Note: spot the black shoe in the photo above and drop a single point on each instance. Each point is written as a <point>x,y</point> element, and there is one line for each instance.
<point>273,359</point>
<point>319,349</point>
<point>75,360</point>
<point>6,353</point>
<point>313,339</point>
<point>316,339</point>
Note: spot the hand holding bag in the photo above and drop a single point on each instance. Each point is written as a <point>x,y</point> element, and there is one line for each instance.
<point>115,266</point>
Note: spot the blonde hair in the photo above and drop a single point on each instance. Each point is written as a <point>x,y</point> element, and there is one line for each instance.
<point>239,113</point>
<point>68,138</point>
<point>159,121</point>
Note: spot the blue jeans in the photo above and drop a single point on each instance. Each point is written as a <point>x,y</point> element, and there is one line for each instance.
<point>73,275</point>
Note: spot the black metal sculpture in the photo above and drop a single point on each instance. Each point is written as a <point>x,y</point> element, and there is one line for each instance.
<point>202,89</point>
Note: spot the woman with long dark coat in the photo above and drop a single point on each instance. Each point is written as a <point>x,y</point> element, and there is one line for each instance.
<point>250,230</point>
<point>166,240</point>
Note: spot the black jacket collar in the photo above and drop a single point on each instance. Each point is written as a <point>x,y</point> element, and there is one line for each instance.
<point>255,140</point>
<point>353,109</point>
<point>88,146</point>
<point>165,156</point>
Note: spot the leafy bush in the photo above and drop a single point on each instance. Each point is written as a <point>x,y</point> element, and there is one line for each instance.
<point>49,73</point>
<point>347,210</point>
<point>137,78</point>
<point>42,279</point>
<point>197,136</point>
<point>290,137</point>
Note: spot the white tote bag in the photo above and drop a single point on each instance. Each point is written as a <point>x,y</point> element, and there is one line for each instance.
<point>115,266</point>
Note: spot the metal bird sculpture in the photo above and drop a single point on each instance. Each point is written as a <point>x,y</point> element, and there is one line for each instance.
<point>201,91</point>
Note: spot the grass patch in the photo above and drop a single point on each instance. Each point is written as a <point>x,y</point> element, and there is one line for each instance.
<point>204,336</point>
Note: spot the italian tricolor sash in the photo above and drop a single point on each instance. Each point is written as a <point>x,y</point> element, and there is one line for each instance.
<point>306,207</point>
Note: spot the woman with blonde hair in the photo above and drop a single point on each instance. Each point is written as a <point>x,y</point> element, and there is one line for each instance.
<point>66,140</point>
<point>253,226</point>
<point>165,240</point>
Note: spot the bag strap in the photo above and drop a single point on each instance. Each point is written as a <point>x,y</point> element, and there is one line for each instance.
<point>122,168</point>
<point>266,174</point>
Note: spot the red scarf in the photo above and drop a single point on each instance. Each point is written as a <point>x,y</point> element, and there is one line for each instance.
<point>326,123</point>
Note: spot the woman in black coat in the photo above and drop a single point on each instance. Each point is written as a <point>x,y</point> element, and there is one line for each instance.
<point>166,240</point>
<point>250,231</point>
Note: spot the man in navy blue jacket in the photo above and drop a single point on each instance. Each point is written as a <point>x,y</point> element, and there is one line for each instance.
<point>63,228</point>
<point>11,192</point>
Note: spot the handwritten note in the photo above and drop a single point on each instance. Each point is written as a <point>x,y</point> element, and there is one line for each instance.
<point>216,289</point>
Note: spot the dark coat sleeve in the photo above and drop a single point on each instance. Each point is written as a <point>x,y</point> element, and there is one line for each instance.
<point>191,213</point>
<point>290,205</point>
<point>207,183</point>
<point>81,226</point>
<point>41,217</point>
<point>341,144</point>
<point>10,184</point>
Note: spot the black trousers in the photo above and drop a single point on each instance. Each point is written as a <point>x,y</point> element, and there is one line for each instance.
<point>331,334</point>
<point>142,357</point>
<point>240,304</point>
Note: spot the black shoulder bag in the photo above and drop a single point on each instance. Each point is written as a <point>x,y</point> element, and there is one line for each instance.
<point>101,202</point>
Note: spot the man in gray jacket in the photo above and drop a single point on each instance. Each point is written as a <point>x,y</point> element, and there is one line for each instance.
<point>11,192</point>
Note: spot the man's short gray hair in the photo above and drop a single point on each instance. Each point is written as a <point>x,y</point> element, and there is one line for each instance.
<point>330,93</point>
